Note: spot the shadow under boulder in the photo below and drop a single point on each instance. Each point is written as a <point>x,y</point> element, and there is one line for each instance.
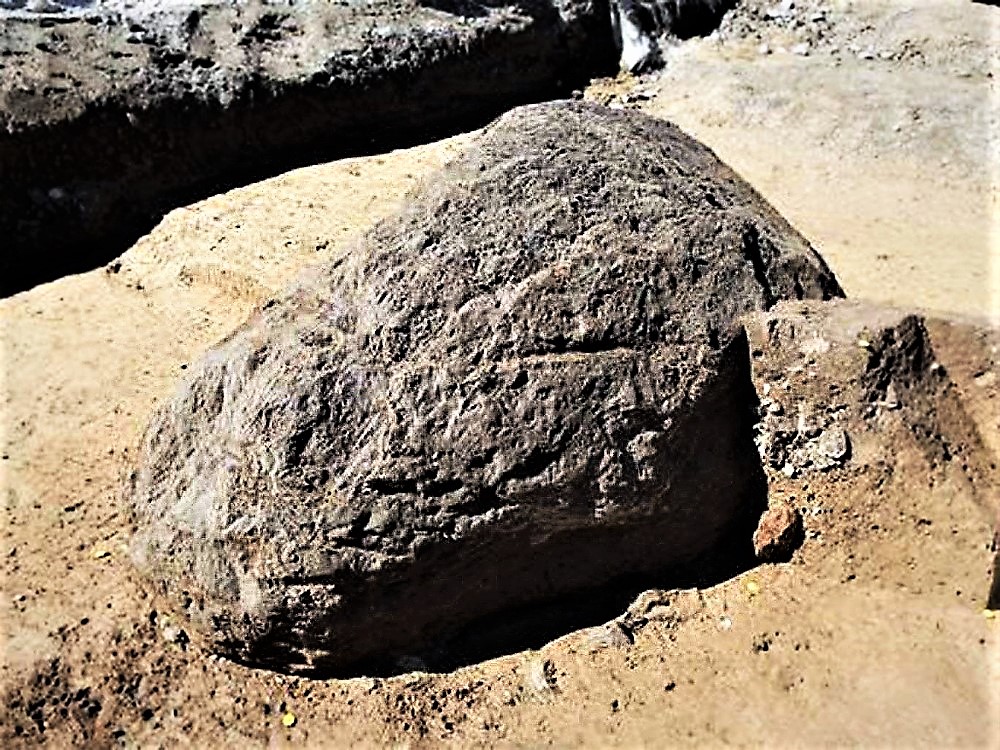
<point>531,381</point>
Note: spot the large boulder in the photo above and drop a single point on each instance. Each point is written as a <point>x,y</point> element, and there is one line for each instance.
<point>530,381</point>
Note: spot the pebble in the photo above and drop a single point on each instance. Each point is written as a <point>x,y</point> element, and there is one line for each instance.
<point>541,676</point>
<point>612,635</point>
<point>891,400</point>
<point>780,11</point>
<point>834,443</point>
<point>984,380</point>
<point>778,533</point>
<point>171,633</point>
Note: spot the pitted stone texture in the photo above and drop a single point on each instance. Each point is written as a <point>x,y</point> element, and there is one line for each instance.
<point>530,381</point>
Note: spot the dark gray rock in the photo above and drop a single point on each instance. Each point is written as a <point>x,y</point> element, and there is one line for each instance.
<point>530,381</point>
<point>108,121</point>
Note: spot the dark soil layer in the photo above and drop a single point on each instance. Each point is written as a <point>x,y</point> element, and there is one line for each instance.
<point>106,125</point>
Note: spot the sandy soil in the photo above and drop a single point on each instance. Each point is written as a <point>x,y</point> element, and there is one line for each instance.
<point>886,164</point>
<point>874,634</point>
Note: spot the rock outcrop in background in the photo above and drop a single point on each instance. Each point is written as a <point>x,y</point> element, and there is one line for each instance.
<point>530,381</point>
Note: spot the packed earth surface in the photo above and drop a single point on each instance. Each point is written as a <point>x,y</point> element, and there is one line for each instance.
<point>871,127</point>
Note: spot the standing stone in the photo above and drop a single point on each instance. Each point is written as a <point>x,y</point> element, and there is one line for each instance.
<point>529,381</point>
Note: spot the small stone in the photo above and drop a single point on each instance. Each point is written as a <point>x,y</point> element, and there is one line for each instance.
<point>834,444</point>
<point>891,400</point>
<point>778,534</point>
<point>661,613</point>
<point>801,49</point>
<point>983,381</point>
<point>780,11</point>
<point>807,427</point>
<point>612,635</point>
<point>174,634</point>
<point>541,677</point>
<point>645,602</point>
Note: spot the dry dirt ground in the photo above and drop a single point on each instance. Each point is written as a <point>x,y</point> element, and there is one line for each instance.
<point>874,634</point>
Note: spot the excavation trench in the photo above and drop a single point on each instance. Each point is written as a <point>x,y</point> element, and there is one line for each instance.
<point>79,185</point>
<point>108,121</point>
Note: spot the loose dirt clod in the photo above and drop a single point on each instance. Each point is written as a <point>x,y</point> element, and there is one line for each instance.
<point>778,534</point>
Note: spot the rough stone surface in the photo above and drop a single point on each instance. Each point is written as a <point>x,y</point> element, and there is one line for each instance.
<point>109,117</point>
<point>778,534</point>
<point>532,380</point>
